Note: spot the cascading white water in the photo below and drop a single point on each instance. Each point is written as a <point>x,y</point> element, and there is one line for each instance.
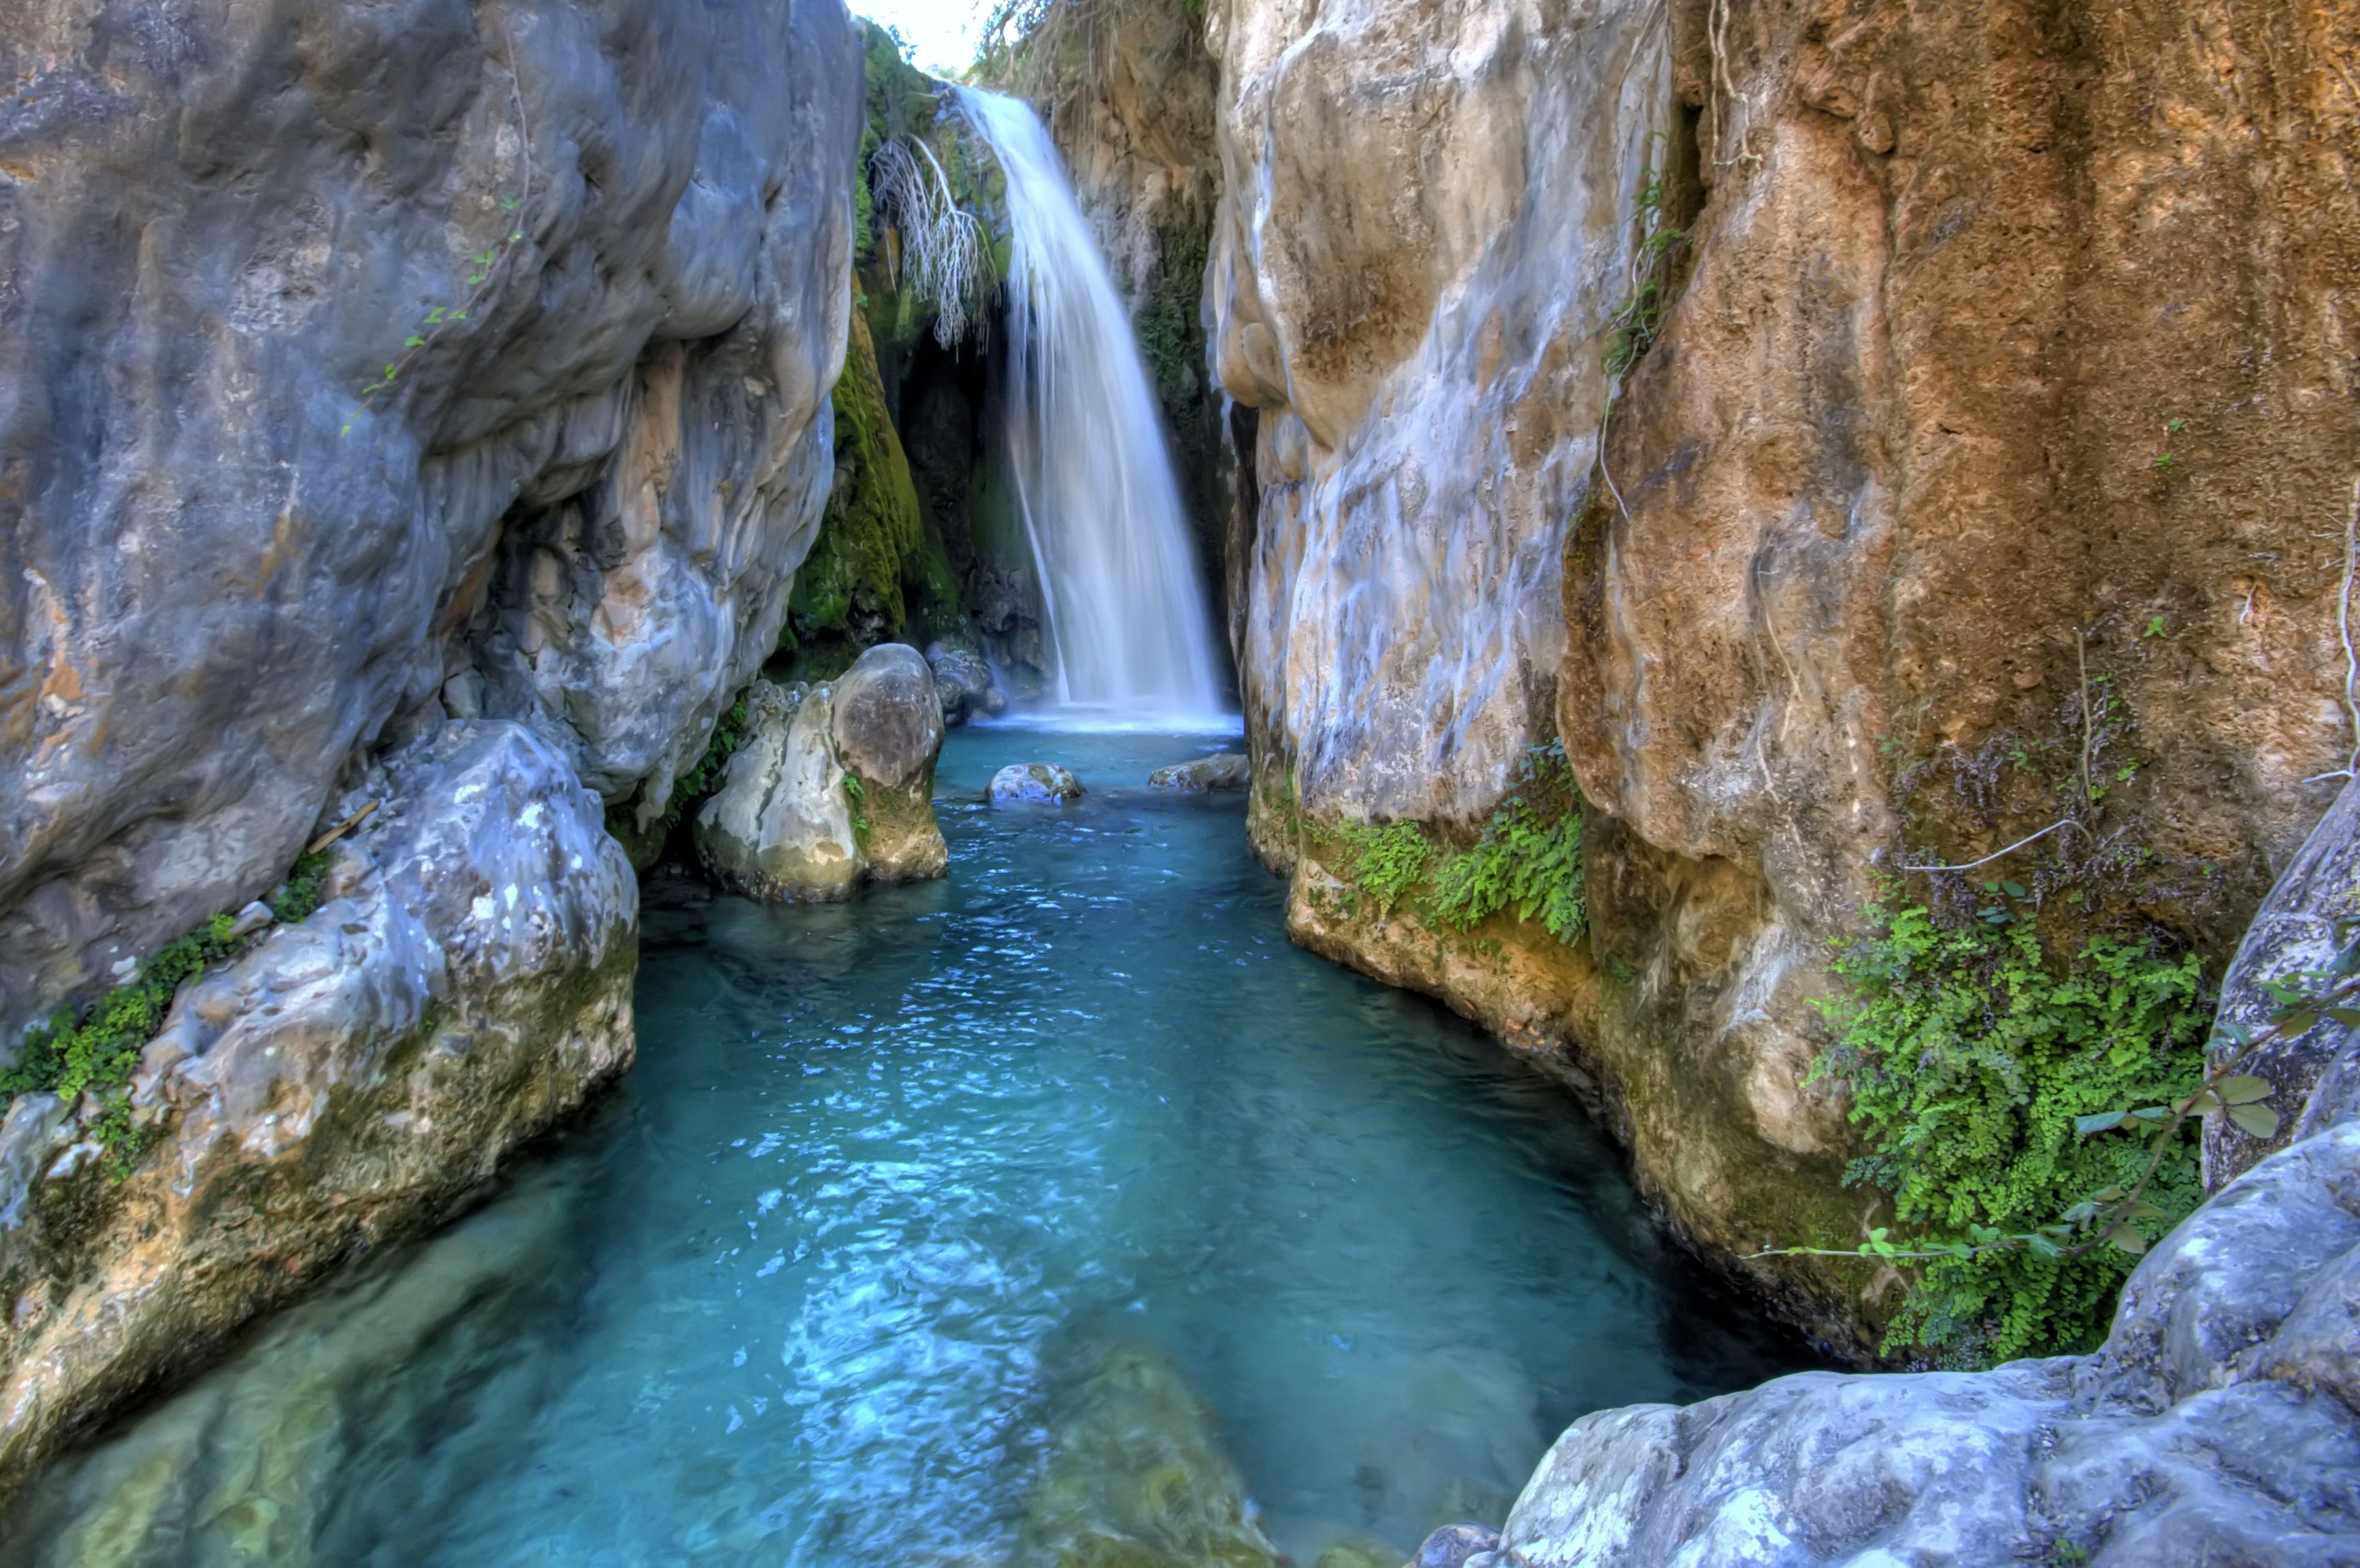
<point>1127,619</point>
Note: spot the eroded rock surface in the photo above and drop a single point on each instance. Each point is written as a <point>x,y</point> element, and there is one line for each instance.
<point>466,982</point>
<point>1997,370</point>
<point>889,732</point>
<point>833,784</point>
<point>964,681</point>
<point>603,251</point>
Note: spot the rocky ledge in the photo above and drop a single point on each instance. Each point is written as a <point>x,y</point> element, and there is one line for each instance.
<point>464,982</point>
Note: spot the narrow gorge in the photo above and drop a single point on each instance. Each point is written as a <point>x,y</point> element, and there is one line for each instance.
<point>1503,785</point>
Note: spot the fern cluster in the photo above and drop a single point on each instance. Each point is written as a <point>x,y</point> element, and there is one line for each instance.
<point>1528,856</point>
<point>1969,1051</point>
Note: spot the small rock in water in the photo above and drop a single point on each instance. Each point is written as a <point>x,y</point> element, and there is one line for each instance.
<point>1225,770</point>
<point>1453,1544</point>
<point>1034,781</point>
<point>964,680</point>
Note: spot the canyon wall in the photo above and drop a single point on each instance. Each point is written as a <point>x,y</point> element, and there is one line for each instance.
<point>1863,437</point>
<point>411,419</point>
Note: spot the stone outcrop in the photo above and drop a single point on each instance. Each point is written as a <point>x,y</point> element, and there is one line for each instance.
<point>964,679</point>
<point>424,404</point>
<point>410,360</point>
<point>466,982</point>
<point>2219,1423</point>
<point>1226,770</point>
<point>888,730</point>
<point>1042,782</point>
<point>833,786</point>
<point>1979,409</point>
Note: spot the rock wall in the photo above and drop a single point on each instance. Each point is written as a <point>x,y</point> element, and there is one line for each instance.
<point>366,363</point>
<point>1999,374</point>
<point>2219,1423</point>
<point>418,406</point>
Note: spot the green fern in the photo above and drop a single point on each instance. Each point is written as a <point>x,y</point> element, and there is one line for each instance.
<point>1969,1052</point>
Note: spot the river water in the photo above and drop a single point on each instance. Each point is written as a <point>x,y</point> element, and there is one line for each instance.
<point>1064,1179</point>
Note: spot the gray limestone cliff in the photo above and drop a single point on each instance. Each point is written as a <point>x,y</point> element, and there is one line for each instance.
<point>414,408</point>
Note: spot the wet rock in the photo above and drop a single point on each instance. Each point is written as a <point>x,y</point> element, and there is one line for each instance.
<point>1134,1479</point>
<point>1453,1544</point>
<point>965,680</point>
<point>889,732</point>
<point>1033,781</point>
<point>466,982</point>
<point>579,504</point>
<point>1228,769</point>
<point>780,825</point>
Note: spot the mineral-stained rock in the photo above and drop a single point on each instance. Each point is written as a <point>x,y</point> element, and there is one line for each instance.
<point>1226,770</point>
<point>419,356</point>
<point>1453,1544</point>
<point>1994,352</point>
<point>964,679</point>
<point>466,982</point>
<point>780,825</point>
<point>1033,781</point>
<point>889,731</point>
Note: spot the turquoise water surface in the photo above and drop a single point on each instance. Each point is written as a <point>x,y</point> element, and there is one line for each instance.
<point>827,1281</point>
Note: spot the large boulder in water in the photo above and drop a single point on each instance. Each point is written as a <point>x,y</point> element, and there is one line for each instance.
<point>889,732</point>
<point>781,824</point>
<point>1033,781</point>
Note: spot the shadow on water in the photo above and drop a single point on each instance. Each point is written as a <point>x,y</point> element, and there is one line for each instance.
<point>1058,1213</point>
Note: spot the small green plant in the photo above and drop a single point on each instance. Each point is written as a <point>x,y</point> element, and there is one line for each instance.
<point>1979,1066</point>
<point>98,1048</point>
<point>729,734</point>
<point>856,793</point>
<point>1640,318</point>
<point>1386,860</point>
<point>1528,856</point>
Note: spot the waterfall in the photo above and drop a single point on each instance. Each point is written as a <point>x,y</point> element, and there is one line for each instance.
<point>1128,621</point>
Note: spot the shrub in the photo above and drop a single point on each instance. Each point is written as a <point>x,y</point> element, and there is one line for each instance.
<point>1970,1050</point>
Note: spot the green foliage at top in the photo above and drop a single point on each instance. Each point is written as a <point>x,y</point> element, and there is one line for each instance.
<point>99,1049</point>
<point>1969,1051</point>
<point>1528,856</point>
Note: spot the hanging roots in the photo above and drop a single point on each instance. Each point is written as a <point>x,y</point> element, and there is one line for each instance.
<point>943,245</point>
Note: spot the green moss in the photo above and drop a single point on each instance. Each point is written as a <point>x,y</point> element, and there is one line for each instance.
<point>877,566</point>
<point>1970,1050</point>
<point>1171,326</point>
<point>98,1048</point>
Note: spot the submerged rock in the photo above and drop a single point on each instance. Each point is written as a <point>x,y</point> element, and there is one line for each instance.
<point>888,732</point>
<point>1453,1544</point>
<point>1033,781</point>
<point>1226,770</point>
<point>1134,1479</point>
<point>965,680</point>
<point>466,982</point>
<point>780,825</point>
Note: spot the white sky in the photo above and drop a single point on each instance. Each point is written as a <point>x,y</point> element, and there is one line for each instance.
<point>942,33</point>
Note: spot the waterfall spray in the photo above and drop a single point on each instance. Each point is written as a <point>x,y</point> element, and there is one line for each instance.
<point>1126,612</point>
